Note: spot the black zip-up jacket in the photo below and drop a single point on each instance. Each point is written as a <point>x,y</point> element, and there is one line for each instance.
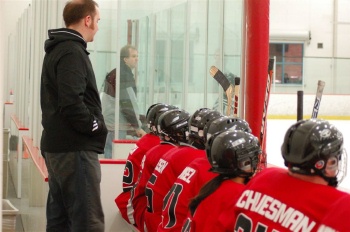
<point>128,102</point>
<point>70,102</point>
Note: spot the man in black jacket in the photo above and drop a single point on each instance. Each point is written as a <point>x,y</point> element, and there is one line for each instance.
<point>129,116</point>
<point>74,128</point>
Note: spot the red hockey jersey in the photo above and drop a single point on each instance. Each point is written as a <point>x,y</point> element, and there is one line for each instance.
<point>276,201</point>
<point>186,187</point>
<point>164,175</point>
<point>132,171</point>
<point>138,197</point>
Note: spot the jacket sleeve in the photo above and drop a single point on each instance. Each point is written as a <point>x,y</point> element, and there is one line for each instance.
<point>129,107</point>
<point>108,110</point>
<point>72,84</point>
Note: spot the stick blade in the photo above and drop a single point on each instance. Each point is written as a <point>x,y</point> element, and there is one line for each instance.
<point>219,77</point>
<point>213,70</point>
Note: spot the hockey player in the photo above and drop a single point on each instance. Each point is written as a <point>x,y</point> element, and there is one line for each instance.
<point>293,199</point>
<point>171,127</point>
<point>133,162</point>
<point>172,164</point>
<point>196,174</point>
<point>234,156</point>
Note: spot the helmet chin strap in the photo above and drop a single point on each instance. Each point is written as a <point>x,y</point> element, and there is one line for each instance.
<point>246,179</point>
<point>246,175</point>
<point>198,145</point>
<point>332,181</point>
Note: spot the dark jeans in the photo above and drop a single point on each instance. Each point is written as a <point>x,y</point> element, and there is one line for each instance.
<point>74,199</point>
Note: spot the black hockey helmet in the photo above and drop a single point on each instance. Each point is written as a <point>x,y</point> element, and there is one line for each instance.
<point>315,147</point>
<point>154,111</point>
<point>173,126</point>
<point>151,106</point>
<point>197,123</point>
<point>225,123</point>
<point>234,153</point>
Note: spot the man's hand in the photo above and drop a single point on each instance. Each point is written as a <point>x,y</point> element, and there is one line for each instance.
<point>140,132</point>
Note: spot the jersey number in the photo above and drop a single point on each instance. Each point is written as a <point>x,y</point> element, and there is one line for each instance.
<point>245,224</point>
<point>128,176</point>
<point>149,193</point>
<point>170,200</point>
<point>186,226</point>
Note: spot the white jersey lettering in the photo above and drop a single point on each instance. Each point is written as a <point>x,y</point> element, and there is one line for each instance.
<point>275,211</point>
<point>161,165</point>
<point>324,228</point>
<point>186,174</point>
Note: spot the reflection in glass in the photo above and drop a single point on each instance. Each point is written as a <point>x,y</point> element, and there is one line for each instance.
<point>177,43</point>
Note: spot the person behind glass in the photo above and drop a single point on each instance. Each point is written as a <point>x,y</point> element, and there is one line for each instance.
<point>293,199</point>
<point>108,110</point>
<point>233,155</point>
<point>129,117</point>
<point>74,132</point>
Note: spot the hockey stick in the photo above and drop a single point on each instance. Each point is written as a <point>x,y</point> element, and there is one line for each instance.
<point>225,84</point>
<point>320,87</point>
<point>263,159</point>
<point>237,87</point>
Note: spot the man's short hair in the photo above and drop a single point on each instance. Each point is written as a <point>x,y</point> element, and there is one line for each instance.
<point>124,51</point>
<point>75,10</point>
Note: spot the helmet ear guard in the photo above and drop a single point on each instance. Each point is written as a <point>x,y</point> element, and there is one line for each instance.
<point>335,168</point>
<point>233,153</point>
<point>315,147</point>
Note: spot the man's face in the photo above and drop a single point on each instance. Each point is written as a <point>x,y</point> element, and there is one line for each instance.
<point>133,58</point>
<point>94,25</point>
